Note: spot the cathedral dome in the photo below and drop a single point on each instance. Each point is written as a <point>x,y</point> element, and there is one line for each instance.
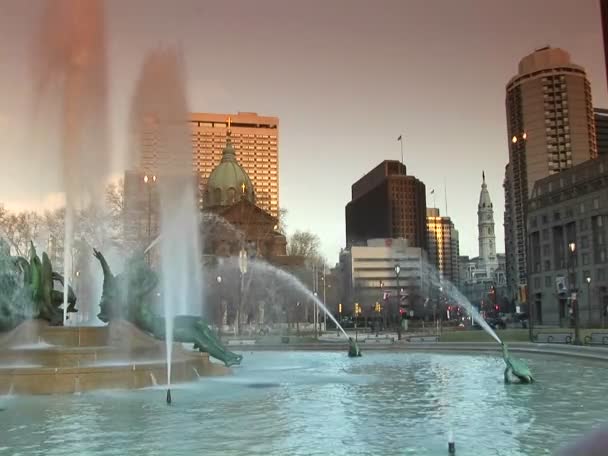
<point>228,183</point>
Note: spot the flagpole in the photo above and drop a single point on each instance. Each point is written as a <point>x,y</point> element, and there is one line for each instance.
<point>445,191</point>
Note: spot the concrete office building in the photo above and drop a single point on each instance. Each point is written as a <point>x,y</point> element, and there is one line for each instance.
<point>550,128</point>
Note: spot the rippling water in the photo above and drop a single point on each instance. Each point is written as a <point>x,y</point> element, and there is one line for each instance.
<point>305,403</point>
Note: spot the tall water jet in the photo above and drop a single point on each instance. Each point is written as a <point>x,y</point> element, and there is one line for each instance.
<point>70,69</point>
<point>159,119</point>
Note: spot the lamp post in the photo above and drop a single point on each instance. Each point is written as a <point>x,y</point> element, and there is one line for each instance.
<point>316,315</point>
<point>588,301</point>
<point>573,298</point>
<point>243,270</point>
<point>397,272</point>
<point>221,314</point>
<point>148,182</point>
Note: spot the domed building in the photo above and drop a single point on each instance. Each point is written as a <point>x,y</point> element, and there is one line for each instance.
<point>230,195</point>
<point>228,183</point>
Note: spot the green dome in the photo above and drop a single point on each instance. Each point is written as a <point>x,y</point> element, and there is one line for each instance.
<point>228,183</point>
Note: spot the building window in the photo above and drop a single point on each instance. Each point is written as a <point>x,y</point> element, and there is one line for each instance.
<point>547,265</point>
<point>547,281</point>
<point>545,219</point>
<point>601,274</point>
<point>596,203</point>
<point>585,258</point>
<point>584,241</point>
<point>536,283</point>
<point>582,208</point>
<point>545,234</point>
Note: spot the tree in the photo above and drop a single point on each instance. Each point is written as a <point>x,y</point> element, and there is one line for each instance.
<point>303,243</point>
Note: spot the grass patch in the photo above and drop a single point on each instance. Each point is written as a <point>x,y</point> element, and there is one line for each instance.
<point>507,335</point>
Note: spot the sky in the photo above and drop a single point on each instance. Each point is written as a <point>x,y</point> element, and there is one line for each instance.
<point>345,78</point>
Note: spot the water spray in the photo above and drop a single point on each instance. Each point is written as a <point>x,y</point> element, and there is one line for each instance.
<point>451,444</point>
<point>168,396</point>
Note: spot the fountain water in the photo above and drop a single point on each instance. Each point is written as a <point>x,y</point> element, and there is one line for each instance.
<point>263,267</point>
<point>153,379</point>
<point>449,289</point>
<point>70,72</point>
<point>159,115</point>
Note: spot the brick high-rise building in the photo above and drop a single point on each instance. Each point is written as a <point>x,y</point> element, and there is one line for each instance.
<point>387,203</point>
<point>550,128</point>
<point>256,142</point>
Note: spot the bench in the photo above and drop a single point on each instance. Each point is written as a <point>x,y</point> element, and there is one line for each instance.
<point>423,339</point>
<point>554,338</point>
<point>379,340</point>
<point>597,339</point>
<point>241,342</point>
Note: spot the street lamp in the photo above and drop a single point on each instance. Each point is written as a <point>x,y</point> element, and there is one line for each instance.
<point>316,315</point>
<point>573,299</point>
<point>149,181</point>
<point>397,272</point>
<point>588,301</point>
<point>243,270</point>
<point>219,309</point>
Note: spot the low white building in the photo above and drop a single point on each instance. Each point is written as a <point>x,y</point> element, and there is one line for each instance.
<point>370,276</point>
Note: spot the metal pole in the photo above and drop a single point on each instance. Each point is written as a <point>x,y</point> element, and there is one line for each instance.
<point>324,300</point>
<point>588,303</point>
<point>149,219</point>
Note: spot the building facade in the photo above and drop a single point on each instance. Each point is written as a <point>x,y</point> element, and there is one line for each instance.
<point>570,210</point>
<point>550,128</point>
<point>369,277</point>
<point>256,141</point>
<point>387,203</point>
<point>442,245</point>
<point>601,130</point>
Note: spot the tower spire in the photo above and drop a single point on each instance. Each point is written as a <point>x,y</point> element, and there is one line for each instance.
<point>229,132</point>
<point>483,176</point>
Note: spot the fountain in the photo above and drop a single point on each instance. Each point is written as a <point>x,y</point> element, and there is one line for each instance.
<point>70,71</point>
<point>160,110</point>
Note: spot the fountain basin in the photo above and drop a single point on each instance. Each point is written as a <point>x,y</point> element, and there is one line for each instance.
<point>126,358</point>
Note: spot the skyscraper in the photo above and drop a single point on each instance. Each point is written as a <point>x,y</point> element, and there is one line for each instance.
<point>550,128</point>
<point>485,226</point>
<point>256,143</point>
<point>387,203</point>
<point>601,130</point>
<point>442,242</point>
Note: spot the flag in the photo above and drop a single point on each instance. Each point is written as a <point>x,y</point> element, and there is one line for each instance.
<point>399,138</point>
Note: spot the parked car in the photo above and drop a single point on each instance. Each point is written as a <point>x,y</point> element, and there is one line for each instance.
<point>496,323</point>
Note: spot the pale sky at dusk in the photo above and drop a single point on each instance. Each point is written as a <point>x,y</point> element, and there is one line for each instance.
<point>345,77</point>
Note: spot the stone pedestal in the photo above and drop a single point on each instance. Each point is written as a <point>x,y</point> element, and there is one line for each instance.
<point>38,359</point>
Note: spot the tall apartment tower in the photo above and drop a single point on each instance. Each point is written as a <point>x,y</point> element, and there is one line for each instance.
<point>442,242</point>
<point>601,130</point>
<point>387,203</point>
<point>256,142</point>
<point>550,128</point>
<point>485,226</point>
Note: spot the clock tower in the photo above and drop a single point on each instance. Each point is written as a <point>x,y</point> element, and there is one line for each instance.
<point>485,225</point>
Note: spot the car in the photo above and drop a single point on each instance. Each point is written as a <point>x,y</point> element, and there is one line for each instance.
<point>496,323</point>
